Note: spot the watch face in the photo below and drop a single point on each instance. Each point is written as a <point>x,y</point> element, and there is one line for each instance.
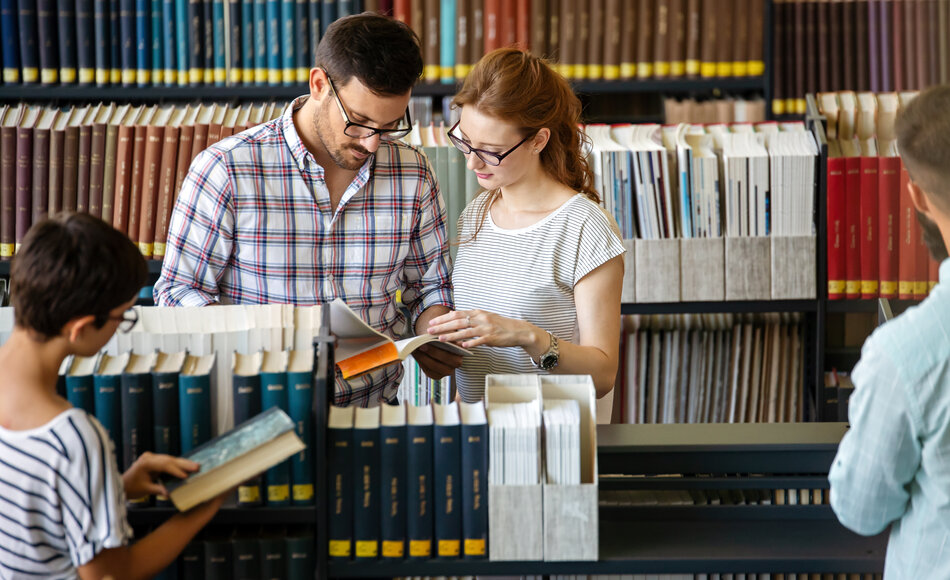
<point>548,361</point>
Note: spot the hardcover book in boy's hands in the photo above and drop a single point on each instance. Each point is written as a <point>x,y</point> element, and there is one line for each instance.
<point>232,457</point>
<point>361,349</point>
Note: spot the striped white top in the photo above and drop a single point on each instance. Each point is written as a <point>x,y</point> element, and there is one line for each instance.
<point>527,274</point>
<point>61,497</point>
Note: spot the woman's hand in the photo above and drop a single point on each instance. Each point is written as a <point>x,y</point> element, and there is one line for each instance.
<point>139,478</point>
<point>470,328</point>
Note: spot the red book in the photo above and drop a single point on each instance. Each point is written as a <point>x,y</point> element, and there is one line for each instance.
<point>923,263</point>
<point>897,38</point>
<point>868,230</point>
<point>401,10</point>
<point>889,180</point>
<point>493,26</point>
<point>852,218</point>
<point>523,24</point>
<point>836,231</point>
<point>907,261</point>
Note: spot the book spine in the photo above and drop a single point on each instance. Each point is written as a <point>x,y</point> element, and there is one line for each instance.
<point>246,554</point>
<point>194,396</point>
<point>157,46</point>
<point>219,60</point>
<point>196,40</point>
<point>300,402</point>
<point>182,42</point>
<point>314,9</point>
<point>24,182</point>
<point>273,561</point>
<point>166,423</point>
<point>80,392</point>
<point>169,32</point>
<point>127,41</point>
<point>247,403</point>
<point>40,198</point>
<point>419,491</point>
<point>135,183</point>
<point>218,564</point>
<point>392,497</point>
<point>340,466</point>
<point>46,36</point>
<point>70,168</point>
<point>474,478</point>
<point>299,555</point>
<point>907,254</point>
<point>447,473</point>
<point>55,199</point>
<point>96,164</point>
<point>136,400</point>
<point>185,156</point>
<point>9,41</point>
<point>123,176</point>
<point>277,478</point>
<point>366,519</point>
<point>108,404</point>
<point>166,191</point>
<point>836,229</point>
<point>247,41</point>
<point>302,41</point>
<point>889,208</point>
<point>852,225</point>
<point>154,145</point>
<point>288,46</point>
<point>260,42</point>
<point>29,51</point>
<point>143,44</point>
<point>7,191</point>
<point>447,42</point>
<point>274,72</point>
<point>868,228</point>
<point>82,168</point>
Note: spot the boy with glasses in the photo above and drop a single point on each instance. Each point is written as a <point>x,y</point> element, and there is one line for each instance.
<point>324,203</point>
<point>62,499</point>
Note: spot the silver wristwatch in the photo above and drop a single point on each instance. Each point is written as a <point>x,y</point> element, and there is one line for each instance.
<point>549,358</point>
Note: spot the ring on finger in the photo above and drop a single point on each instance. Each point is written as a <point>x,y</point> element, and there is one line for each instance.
<point>468,322</point>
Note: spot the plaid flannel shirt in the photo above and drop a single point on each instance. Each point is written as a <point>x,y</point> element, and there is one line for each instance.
<point>253,225</point>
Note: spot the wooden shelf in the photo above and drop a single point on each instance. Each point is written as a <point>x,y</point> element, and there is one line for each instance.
<point>869,305</point>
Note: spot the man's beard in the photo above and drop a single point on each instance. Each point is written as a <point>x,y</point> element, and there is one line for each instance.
<point>933,239</point>
<point>337,154</point>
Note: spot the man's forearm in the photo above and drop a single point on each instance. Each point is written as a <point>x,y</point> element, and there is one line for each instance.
<point>422,322</point>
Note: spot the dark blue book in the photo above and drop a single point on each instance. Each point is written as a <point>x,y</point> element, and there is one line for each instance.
<point>85,42</point>
<point>102,42</point>
<point>194,401</point>
<point>157,43</point>
<point>340,495</point>
<point>248,450</point>
<point>182,41</point>
<point>419,519</point>
<point>300,399</point>
<point>302,38</point>
<point>143,42</point>
<point>299,555</point>
<point>46,16</point>
<point>169,40</point>
<point>80,385</point>
<point>447,473</point>
<point>246,386</point>
<point>29,49</point>
<point>220,43</point>
<point>137,434</point>
<point>207,47</point>
<point>474,453</point>
<point>315,12</point>
<point>366,518</point>
<point>127,41</point>
<point>392,481</point>
<point>166,419</point>
<point>196,39</point>
<point>273,557</point>
<point>274,73</point>
<point>108,396</point>
<point>236,48</point>
<point>274,394</point>
<point>327,15</point>
<point>246,555</point>
<point>247,42</point>
<point>344,8</point>
<point>10,41</point>
<point>260,42</point>
<point>219,564</point>
<point>115,43</point>
<point>288,48</point>
<point>193,560</point>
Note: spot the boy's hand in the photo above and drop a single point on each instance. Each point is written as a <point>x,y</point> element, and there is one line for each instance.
<point>139,478</point>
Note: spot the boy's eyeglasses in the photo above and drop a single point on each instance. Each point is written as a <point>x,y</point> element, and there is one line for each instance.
<point>489,157</point>
<point>357,131</point>
<point>127,320</point>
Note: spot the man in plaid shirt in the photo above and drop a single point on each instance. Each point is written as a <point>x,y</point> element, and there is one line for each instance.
<point>322,203</point>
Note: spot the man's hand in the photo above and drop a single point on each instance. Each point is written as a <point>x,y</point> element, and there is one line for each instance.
<point>436,362</point>
<point>139,478</point>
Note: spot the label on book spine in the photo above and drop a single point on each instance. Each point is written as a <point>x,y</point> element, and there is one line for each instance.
<point>662,69</point>
<point>677,68</point>
<point>31,75</point>
<point>6,250</point>
<point>611,72</point>
<point>869,287</point>
<point>49,76</point>
<point>740,68</point>
<point>249,494</point>
<point>628,71</point>
<point>724,69</point>
<point>708,69</point>
<point>393,549</point>
<point>339,548</point>
<point>303,492</point>
<point>756,68</point>
<point>367,549</point>
<point>11,75</point>
<point>420,548</point>
<point>888,289</point>
<point>158,249</point>
<point>852,287</point>
<point>278,492</point>
<point>475,547</point>
<point>449,548</point>
<point>145,248</point>
<point>692,67</point>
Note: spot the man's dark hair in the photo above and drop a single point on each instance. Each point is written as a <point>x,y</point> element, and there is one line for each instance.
<point>382,53</point>
<point>923,139</point>
<point>70,266</point>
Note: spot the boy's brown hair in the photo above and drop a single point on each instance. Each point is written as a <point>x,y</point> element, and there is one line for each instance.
<point>70,266</point>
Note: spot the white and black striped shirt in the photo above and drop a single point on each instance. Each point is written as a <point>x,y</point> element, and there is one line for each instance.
<point>61,497</point>
<point>527,274</point>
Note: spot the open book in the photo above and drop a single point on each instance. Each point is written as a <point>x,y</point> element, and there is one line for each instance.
<point>252,447</point>
<point>361,349</point>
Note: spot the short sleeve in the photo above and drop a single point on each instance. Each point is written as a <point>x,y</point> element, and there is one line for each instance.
<point>92,493</point>
<point>599,241</point>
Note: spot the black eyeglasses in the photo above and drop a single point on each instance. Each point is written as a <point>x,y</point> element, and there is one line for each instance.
<point>357,131</point>
<point>489,157</point>
<point>127,320</point>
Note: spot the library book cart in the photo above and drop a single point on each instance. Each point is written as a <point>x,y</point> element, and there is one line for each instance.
<point>726,460</point>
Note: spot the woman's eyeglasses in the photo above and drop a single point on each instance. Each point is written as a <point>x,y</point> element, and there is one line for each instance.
<point>127,320</point>
<point>489,157</point>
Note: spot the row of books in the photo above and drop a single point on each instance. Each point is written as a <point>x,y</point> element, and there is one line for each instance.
<point>408,482</point>
<point>122,163</point>
<point>693,181</point>
<point>712,368</point>
<point>266,553</point>
<point>723,576</point>
<point>416,388</point>
<point>702,112</point>
<point>863,45</point>
<point>875,246</point>
<point>704,497</point>
<point>161,402</point>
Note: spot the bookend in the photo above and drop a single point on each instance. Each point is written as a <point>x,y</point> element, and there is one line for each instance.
<point>793,267</point>
<point>657,265</point>
<point>748,276</point>
<point>702,270</point>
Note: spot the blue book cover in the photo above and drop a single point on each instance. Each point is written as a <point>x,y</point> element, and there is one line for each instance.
<point>166,418</point>
<point>108,398</point>
<point>328,14</point>
<point>340,472</point>
<point>85,42</point>
<point>300,400</point>
<point>273,560</point>
<point>220,43</point>
<point>447,475</point>
<point>193,560</point>
<point>314,11</point>
<point>196,39</point>
<point>103,44</point>
<point>344,8</point>
<point>247,42</point>
<point>474,477</point>
<point>392,481</point>
<point>207,29</point>
<point>10,40</point>
<point>157,45</point>
<point>260,42</point>
<point>366,483</point>
<point>194,401</point>
<point>302,37</point>
<point>447,41</point>
<point>29,49</point>
<point>274,73</point>
<point>298,553</point>
<point>46,16</point>
<point>219,563</point>
<point>143,42</point>
<point>182,45</point>
<point>288,48</point>
<point>274,394</point>
<point>247,403</point>
<point>136,384</point>
<point>235,46</point>
<point>80,385</point>
<point>169,28</point>
<point>419,520</point>
<point>127,41</point>
<point>115,44</point>
<point>246,553</point>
